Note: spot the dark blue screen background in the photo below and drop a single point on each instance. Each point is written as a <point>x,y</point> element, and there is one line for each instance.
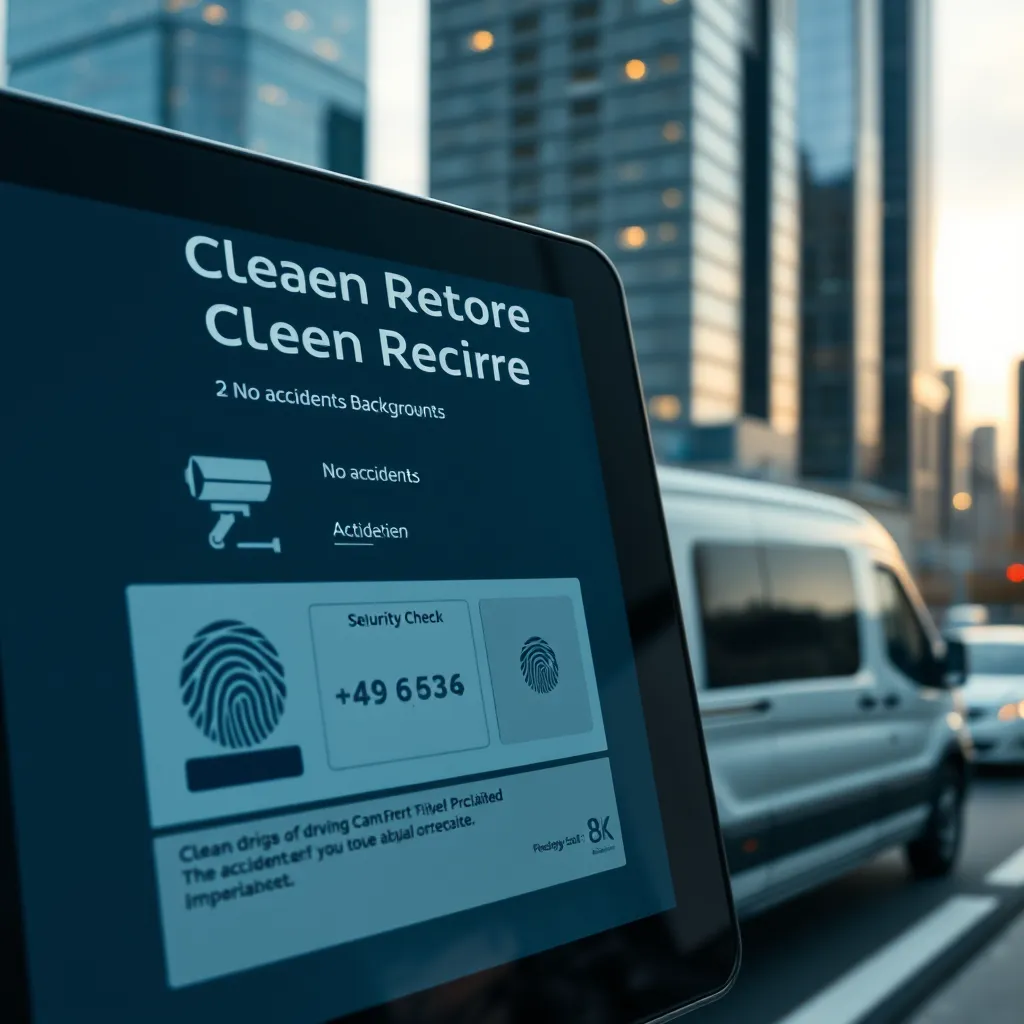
<point>107,385</point>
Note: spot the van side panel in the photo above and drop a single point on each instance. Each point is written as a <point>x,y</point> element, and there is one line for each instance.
<point>740,739</point>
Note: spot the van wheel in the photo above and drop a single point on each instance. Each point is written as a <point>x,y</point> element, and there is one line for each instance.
<point>935,852</point>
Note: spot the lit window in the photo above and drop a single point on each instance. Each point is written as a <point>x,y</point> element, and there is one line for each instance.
<point>962,501</point>
<point>665,407</point>
<point>633,237</point>
<point>669,3</point>
<point>672,131</point>
<point>273,95</point>
<point>635,69</point>
<point>669,62</point>
<point>179,5</point>
<point>327,49</point>
<point>672,198</point>
<point>297,21</point>
<point>668,232</point>
<point>481,41</point>
<point>215,14</point>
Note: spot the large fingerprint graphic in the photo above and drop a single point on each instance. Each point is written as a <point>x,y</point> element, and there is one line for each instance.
<point>232,684</point>
<point>539,665</point>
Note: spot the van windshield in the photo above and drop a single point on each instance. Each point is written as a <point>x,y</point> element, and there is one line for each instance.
<point>997,659</point>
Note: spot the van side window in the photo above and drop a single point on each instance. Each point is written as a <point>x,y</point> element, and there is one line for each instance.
<point>777,613</point>
<point>905,639</point>
<point>814,624</point>
<point>732,601</point>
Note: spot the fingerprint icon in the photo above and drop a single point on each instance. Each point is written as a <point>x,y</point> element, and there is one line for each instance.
<point>539,665</point>
<point>232,684</point>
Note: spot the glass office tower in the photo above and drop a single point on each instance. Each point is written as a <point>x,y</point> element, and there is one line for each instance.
<point>624,123</point>
<point>285,78</point>
<point>840,158</point>
<point>950,455</point>
<point>771,218</point>
<point>910,421</point>
<point>1018,522</point>
<point>986,510</point>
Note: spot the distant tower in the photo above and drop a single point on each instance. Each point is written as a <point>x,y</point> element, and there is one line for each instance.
<point>949,453</point>
<point>987,508</point>
<point>275,76</point>
<point>1018,504</point>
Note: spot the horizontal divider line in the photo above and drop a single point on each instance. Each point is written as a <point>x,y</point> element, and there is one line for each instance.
<point>382,794</point>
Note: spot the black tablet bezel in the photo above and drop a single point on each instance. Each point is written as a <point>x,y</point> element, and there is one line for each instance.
<point>64,149</point>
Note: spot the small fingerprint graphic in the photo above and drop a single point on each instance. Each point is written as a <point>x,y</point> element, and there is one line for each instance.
<point>232,684</point>
<point>539,665</point>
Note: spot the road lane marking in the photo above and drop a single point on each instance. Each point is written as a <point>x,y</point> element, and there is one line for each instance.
<point>1010,872</point>
<point>866,985</point>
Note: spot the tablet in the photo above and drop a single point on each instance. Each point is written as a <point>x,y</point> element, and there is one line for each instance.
<point>343,669</point>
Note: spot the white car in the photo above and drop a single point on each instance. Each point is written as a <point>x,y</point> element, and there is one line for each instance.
<point>994,694</point>
<point>959,615</point>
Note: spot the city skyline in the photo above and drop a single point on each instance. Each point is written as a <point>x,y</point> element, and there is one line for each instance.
<point>979,104</point>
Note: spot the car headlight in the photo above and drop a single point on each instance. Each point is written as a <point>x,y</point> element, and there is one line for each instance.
<point>1011,712</point>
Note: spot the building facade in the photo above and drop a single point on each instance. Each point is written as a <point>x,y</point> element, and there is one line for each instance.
<point>771,220</point>
<point>840,169</point>
<point>272,76</point>
<point>910,422</point>
<point>951,480</point>
<point>622,121</point>
<point>987,507</point>
<point>1018,504</point>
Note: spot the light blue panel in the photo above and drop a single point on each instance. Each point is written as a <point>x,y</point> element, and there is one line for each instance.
<point>429,649</point>
<point>165,619</point>
<point>239,896</point>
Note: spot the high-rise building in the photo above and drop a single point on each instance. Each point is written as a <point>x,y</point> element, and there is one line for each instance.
<point>912,399</point>
<point>625,124</point>
<point>1018,525</point>
<point>278,77</point>
<point>950,468</point>
<point>986,510</point>
<point>3,42</point>
<point>771,219</point>
<point>840,165</point>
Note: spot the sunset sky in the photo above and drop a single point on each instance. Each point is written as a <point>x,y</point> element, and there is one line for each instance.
<point>979,179</point>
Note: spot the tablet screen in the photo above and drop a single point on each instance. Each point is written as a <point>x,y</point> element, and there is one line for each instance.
<point>318,681</point>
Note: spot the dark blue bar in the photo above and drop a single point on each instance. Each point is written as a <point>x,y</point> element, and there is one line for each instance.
<point>242,769</point>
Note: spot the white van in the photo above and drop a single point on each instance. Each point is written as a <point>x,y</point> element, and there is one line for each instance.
<point>828,696</point>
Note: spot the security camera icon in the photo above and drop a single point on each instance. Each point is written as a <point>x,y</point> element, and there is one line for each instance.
<point>231,486</point>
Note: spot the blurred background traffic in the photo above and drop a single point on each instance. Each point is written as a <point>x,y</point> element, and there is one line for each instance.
<point>816,209</point>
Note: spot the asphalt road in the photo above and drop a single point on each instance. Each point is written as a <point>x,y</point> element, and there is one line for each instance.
<point>804,952</point>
